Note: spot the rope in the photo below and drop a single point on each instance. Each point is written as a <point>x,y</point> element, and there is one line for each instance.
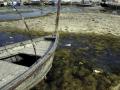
<point>27,28</point>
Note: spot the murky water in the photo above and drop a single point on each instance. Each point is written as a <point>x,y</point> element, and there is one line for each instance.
<point>8,38</point>
<point>101,53</point>
<point>99,50</point>
<point>76,58</point>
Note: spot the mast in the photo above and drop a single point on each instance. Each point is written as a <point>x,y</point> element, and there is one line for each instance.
<point>27,30</point>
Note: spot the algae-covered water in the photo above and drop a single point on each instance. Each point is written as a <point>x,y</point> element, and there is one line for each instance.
<point>102,51</point>
<point>76,59</point>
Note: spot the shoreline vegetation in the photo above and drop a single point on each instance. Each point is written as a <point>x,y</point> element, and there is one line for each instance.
<point>92,36</point>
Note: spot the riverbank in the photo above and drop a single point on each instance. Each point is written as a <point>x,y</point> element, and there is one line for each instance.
<point>71,22</point>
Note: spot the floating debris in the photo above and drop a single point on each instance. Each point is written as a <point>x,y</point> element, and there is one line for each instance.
<point>68,45</point>
<point>97,71</point>
<point>10,37</point>
<point>81,63</point>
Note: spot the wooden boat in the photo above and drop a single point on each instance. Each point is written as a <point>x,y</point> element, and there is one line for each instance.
<point>21,68</point>
<point>110,5</point>
<point>24,64</point>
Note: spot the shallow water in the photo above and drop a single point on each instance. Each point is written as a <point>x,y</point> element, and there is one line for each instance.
<point>37,11</point>
<point>93,51</point>
<point>76,58</point>
<point>34,11</point>
<point>8,38</point>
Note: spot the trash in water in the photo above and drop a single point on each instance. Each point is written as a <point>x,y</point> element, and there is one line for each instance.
<point>10,37</point>
<point>68,45</point>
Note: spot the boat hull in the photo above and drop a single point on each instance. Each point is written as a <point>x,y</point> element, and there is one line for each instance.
<point>38,75</point>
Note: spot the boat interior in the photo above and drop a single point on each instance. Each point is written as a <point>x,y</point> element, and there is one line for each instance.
<point>18,58</point>
<point>22,59</point>
<point>24,53</point>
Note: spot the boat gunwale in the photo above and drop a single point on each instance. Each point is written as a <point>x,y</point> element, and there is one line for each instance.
<point>22,43</point>
<point>24,76</point>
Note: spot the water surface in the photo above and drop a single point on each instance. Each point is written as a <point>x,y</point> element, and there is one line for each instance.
<point>8,38</point>
<point>35,11</point>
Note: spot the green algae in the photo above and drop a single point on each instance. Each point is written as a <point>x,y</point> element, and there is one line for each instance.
<point>73,67</point>
<point>14,30</point>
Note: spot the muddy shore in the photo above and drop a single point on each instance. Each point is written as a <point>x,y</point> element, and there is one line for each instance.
<point>98,23</point>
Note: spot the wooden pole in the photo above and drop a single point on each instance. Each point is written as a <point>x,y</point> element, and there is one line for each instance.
<point>58,14</point>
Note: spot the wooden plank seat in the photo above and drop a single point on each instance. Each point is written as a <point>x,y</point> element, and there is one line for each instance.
<point>9,71</point>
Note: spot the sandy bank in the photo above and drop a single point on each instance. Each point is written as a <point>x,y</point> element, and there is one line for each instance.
<point>72,22</point>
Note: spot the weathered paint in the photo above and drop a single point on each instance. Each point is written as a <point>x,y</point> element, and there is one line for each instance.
<point>36,72</point>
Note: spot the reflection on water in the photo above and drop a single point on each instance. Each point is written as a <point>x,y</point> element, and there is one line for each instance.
<point>33,11</point>
<point>38,11</point>
<point>77,58</point>
<point>7,38</point>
